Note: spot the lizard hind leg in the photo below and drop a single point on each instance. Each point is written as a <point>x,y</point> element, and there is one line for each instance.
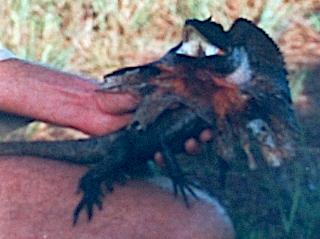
<point>181,183</point>
<point>90,185</point>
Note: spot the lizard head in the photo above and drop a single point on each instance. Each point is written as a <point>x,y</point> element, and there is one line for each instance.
<point>237,53</point>
<point>214,50</point>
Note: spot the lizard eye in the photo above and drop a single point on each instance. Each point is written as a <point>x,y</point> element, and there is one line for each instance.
<point>194,44</point>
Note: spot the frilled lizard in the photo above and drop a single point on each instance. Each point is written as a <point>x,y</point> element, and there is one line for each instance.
<point>238,81</point>
<point>231,81</point>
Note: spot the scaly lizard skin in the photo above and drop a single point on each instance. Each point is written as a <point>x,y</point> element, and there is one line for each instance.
<point>243,59</point>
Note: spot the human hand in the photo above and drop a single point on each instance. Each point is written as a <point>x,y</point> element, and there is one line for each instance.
<point>61,98</point>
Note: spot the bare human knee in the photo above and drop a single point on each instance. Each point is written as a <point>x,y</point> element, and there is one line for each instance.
<point>38,197</point>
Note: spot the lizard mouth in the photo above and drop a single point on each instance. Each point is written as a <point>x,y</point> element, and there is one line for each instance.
<point>195,45</point>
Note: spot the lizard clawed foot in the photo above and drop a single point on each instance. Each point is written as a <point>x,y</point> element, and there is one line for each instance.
<point>90,186</point>
<point>182,185</point>
<point>92,196</point>
<point>116,176</point>
<point>180,180</point>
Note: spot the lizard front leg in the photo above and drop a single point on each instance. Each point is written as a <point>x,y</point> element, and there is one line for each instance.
<point>153,105</point>
<point>90,185</point>
<point>179,179</point>
<point>107,171</point>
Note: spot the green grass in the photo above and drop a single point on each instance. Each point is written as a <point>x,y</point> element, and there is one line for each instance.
<point>315,21</point>
<point>297,80</point>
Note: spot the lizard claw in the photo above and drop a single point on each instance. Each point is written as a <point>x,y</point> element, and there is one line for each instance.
<point>92,196</point>
<point>87,203</point>
<point>90,186</point>
<point>182,185</point>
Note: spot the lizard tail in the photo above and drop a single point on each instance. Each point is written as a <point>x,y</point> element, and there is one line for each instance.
<point>82,151</point>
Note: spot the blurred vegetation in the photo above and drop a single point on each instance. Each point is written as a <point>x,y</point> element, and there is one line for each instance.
<point>97,36</point>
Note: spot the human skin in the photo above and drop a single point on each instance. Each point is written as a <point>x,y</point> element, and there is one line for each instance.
<point>60,98</point>
<point>37,196</point>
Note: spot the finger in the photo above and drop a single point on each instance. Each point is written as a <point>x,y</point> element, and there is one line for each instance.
<point>116,103</point>
<point>192,146</point>
<point>158,158</point>
<point>206,136</point>
<point>104,123</point>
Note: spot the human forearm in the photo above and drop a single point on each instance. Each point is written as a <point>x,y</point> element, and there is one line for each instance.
<point>60,98</point>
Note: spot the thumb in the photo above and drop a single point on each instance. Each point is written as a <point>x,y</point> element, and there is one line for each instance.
<point>116,103</point>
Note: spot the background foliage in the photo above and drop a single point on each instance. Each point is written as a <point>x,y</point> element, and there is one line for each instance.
<point>94,36</point>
